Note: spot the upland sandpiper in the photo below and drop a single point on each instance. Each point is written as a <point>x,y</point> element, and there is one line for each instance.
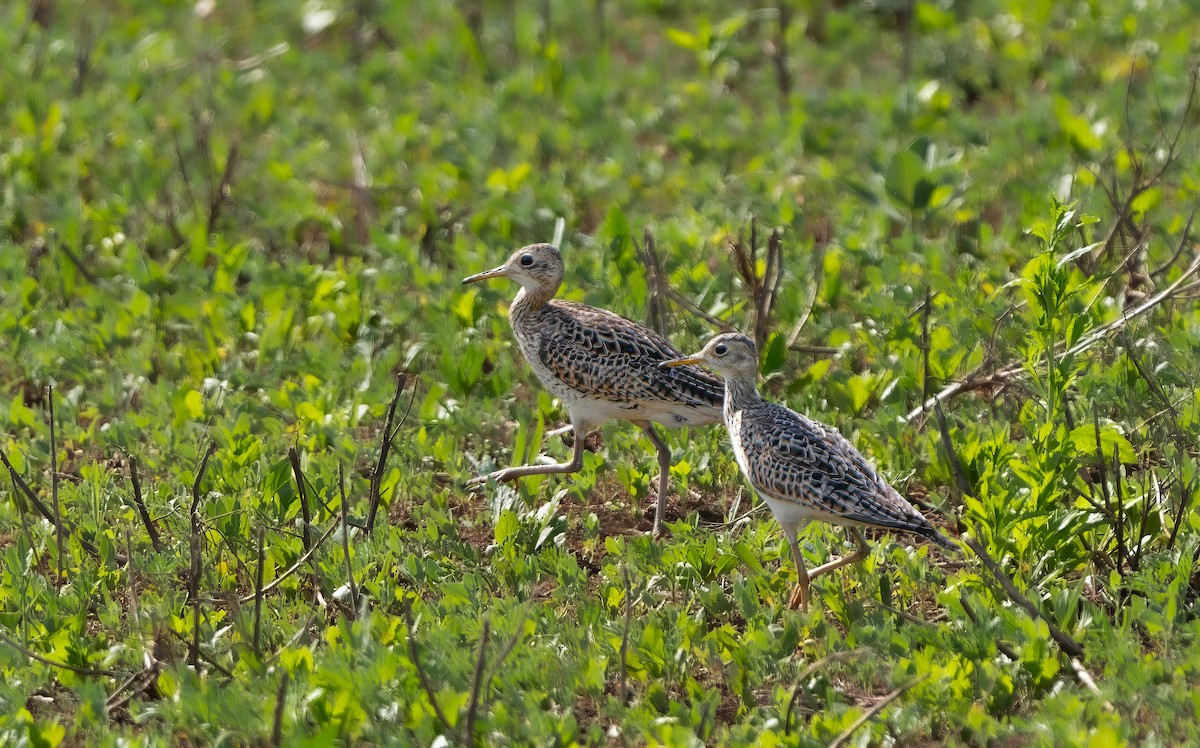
<point>803,469</point>
<point>600,365</point>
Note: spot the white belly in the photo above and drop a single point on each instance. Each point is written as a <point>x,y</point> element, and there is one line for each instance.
<point>596,411</point>
<point>790,515</point>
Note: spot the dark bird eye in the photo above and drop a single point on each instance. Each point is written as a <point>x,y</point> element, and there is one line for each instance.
<point>526,260</point>
<point>721,349</point>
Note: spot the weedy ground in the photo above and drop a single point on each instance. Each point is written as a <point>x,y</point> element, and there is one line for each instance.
<point>228,228</point>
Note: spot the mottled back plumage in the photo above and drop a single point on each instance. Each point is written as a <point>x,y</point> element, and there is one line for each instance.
<point>792,458</point>
<point>603,356</point>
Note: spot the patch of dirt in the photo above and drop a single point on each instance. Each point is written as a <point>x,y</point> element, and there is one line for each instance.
<point>618,514</point>
<point>475,526</point>
<point>478,536</point>
<point>621,514</point>
<point>586,712</point>
<point>400,515</point>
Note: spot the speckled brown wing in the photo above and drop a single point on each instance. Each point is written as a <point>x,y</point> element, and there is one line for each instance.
<point>604,356</point>
<point>794,458</point>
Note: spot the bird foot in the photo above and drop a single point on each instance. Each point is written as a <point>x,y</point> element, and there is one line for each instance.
<point>479,481</point>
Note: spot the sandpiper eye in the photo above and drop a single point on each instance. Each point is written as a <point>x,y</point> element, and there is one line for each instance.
<point>526,260</point>
<point>721,349</point>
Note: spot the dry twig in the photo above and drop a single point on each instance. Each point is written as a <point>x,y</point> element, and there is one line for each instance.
<point>807,672</point>
<point>46,512</point>
<point>674,295</point>
<point>277,720</point>
<point>292,569</point>
<point>1064,640</point>
<point>194,548</point>
<point>141,505</point>
<point>870,713</point>
<point>94,672</point>
<point>625,632</point>
<point>476,684</point>
<point>346,543</point>
<point>1013,371</point>
<point>298,474</point>
<point>385,447</point>
<point>763,290</point>
<point>258,591</point>
<point>58,523</point>
<point>220,194</point>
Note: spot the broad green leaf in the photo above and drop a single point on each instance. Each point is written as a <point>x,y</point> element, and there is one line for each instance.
<point>193,403</point>
<point>1111,438</point>
<point>906,180</point>
<point>774,355</point>
<point>748,557</point>
<point>507,527</point>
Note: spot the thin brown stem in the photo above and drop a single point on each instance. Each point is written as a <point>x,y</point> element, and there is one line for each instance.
<point>258,591</point>
<point>1068,644</point>
<point>625,633</point>
<point>925,369</point>
<point>46,512</point>
<point>194,595</point>
<point>476,684</point>
<point>55,663</point>
<point>277,720</point>
<point>298,473</point>
<point>212,447</point>
<point>1013,371</point>
<point>194,550</point>
<point>1001,645</point>
<point>220,194</point>
<point>868,715</point>
<point>58,523</point>
<point>385,447</point>
<point>78,263</point>
<point>1064,640</point>
<point>656,282</point>
<point>141,505</point>
<point>293,568</point>
<point>346,543</point>
<point>808,671</point>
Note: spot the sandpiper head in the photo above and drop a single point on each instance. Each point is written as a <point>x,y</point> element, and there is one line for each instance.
<point>731,354</point>
<point>537,267</point>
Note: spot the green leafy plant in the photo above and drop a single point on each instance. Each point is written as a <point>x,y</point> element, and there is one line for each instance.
<point>236,224</point>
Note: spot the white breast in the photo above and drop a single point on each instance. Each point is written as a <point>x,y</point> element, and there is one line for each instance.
<point>733,421</point>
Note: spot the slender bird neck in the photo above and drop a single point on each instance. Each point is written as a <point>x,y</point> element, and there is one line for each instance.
<point>741,392</point>
<point>530,300</point>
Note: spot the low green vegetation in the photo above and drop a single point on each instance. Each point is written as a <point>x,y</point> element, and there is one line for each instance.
<point>230,230</point>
